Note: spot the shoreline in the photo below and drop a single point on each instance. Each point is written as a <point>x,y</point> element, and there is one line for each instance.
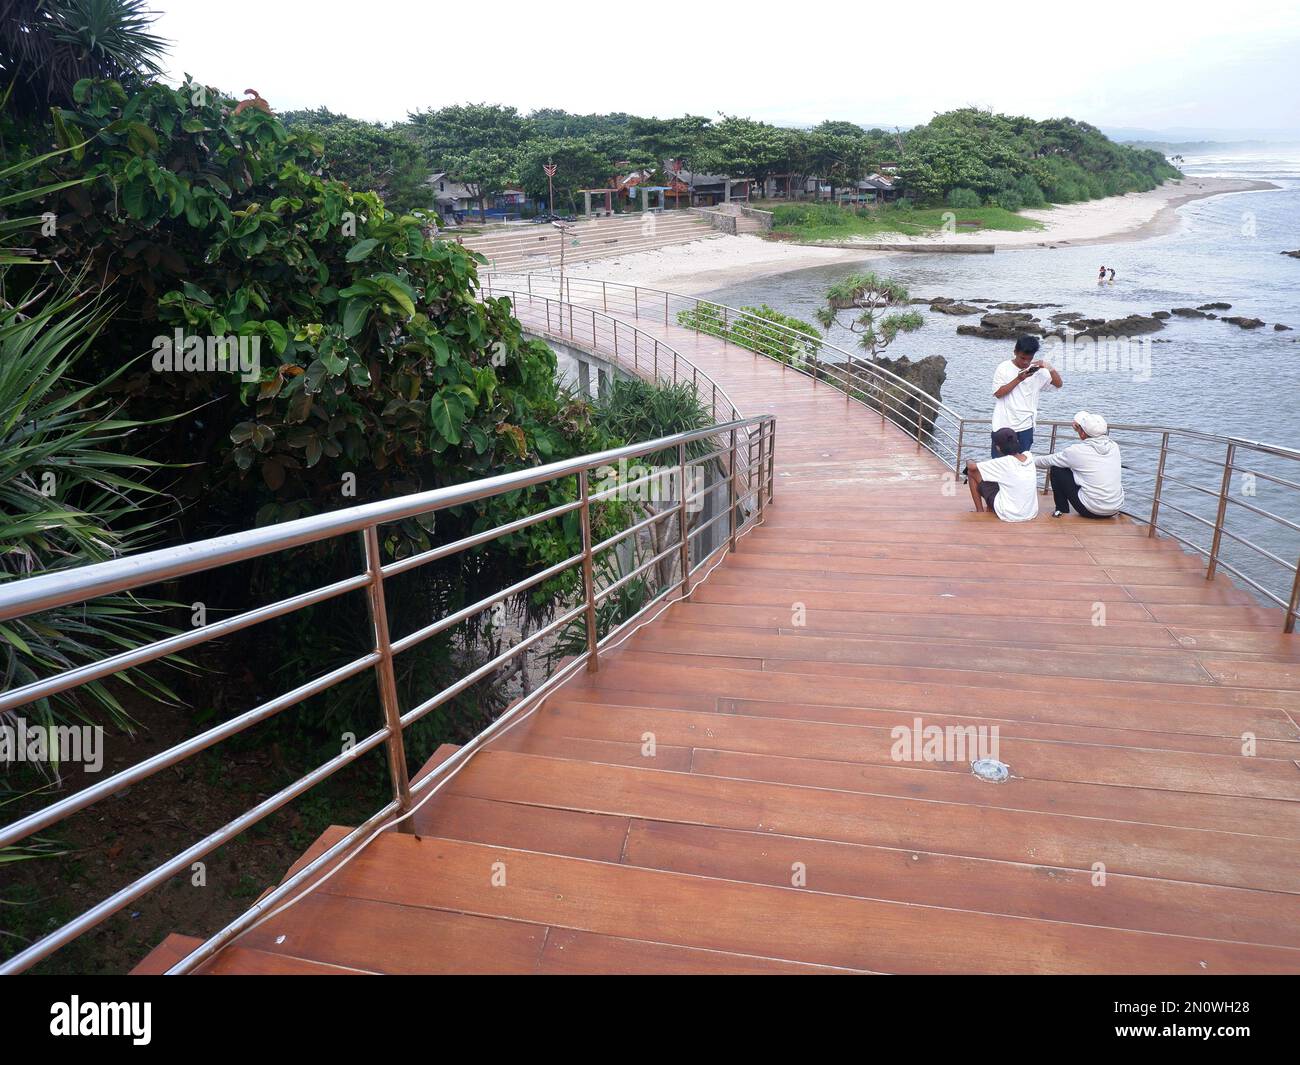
<point>705,265</point>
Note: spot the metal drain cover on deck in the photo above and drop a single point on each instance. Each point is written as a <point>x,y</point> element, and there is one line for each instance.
<point>990,769</point>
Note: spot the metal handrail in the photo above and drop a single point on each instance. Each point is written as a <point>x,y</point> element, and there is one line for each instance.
<point>748,487</point>
<point>1157,443</point>
<point>943,431</point>
<point>659,353</point>
<point>863,380</point>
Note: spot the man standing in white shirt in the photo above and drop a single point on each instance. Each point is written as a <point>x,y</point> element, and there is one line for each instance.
<point>1008,484</point>
<point>1017,383</point>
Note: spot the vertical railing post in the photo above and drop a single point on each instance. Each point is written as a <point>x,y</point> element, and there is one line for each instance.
<point>593,329</point>
<point>733,496</point>
<point>956,461</point>
<point>636,303</point>
<point>1051,449</point>
<point>762,467</point>
<point>771,463</point>
<point>665,308</point>
<point>1223,507</point>
<point>385,676</point>
<point>604,298</point>
<point>1159,484</point>
<point>1288,623</point>
<point>588,573</point>
<point>682,521</point>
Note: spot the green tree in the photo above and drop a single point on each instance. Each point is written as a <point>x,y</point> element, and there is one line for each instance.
<point>865,300</point>
<point>369,157</point>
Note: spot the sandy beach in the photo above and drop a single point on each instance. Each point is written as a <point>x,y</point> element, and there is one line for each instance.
<point>703,265</point>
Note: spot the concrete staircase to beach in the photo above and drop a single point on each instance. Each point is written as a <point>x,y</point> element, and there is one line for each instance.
<point>530,246</point>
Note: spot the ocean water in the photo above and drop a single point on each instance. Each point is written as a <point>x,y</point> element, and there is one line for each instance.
<point>1202,374</point>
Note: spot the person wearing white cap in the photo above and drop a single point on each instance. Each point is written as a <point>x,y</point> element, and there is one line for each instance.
<point>1086,475</point>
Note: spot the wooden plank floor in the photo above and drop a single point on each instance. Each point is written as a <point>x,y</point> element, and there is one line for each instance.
<point>771,830</point>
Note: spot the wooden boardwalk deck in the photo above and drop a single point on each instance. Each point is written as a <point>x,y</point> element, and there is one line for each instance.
<point>1133,836</point>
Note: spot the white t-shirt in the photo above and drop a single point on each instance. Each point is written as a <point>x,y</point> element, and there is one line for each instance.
<point>1017,498</point>
<point>1018,409</point>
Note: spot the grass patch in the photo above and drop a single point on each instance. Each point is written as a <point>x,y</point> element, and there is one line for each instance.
<point>825,221</point>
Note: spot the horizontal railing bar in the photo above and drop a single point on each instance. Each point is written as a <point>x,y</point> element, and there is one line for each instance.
<point>1265,513</point>
<point>603,593</point>
<point>171,645</point>
<point>392,569</point>
<point>1290,566</point>
<point>632,529</point>
<point>464,613</point>
<point>264,904</point>
<point>1267,477</point>
<point>50,590</point>
<point>97,914</point>
<point>414,715</point>
<point>64,808</point>
<point>1254,584</point>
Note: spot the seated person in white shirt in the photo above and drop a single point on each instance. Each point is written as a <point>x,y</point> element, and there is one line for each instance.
<point>1017,384</point>
<point>1086,475</point>
<point>1008,484</point>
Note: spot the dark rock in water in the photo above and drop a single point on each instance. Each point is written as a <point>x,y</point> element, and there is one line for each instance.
<point>927,374</point>
<point>949,307</point>
<point>1189,312</point>
<point>1080,324</point>
<point>1245,323</point>
<point>1293,254</point>
<point>1067,316</point>
<point>1022,306</point>
<point>1215,307</point>
<point>1133,325</point>
<point>1162,315</point>
<point>1009,326</point>
<point>898,403</point>
<point>1279,328</point>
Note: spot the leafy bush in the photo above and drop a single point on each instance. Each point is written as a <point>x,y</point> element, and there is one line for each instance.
<point>963,198</point>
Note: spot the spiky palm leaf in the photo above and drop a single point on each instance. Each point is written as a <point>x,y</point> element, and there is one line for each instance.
<point>47,46</point>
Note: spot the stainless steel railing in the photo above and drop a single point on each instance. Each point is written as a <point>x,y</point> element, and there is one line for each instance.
<point>740,449</point>
<point>1166,468</point>
<point>615,341</point>
<point>1232,529</point>
<point>934,425</point>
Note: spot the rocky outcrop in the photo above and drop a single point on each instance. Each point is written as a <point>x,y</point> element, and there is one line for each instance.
<point>900,405</point>
<point>1066,316</point>
<point>952,307</point>
<point>1008,325</point>
<point>1132,325</point>
<point>1280,328</point>
<point>1215,307</point>
<point>1189,312</point>
<point>1294,254</point>
<point>1162,315</point>
<point>1021,306</point>
<point>1245,323</point>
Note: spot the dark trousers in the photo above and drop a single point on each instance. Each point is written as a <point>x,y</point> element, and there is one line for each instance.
<point>1066,492</point>
<point>1026,442</point>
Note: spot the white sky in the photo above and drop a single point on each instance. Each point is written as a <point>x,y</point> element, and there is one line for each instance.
<point>1137,63</point>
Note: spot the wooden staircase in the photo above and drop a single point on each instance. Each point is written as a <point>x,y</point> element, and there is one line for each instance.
<point>723,795</point>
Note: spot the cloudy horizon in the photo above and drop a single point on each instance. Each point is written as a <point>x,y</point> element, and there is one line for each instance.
<point>1158,68</point>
